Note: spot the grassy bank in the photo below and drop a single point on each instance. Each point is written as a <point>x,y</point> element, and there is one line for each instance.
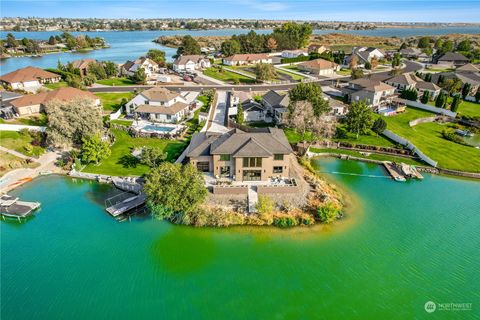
<point>116,82</point>
<point>20,142</point>
<point>112,101</point>
<point>227,76</point>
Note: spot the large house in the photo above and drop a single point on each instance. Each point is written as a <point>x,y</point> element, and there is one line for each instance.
<point>252,110</point>
<point>148,65</point>
<point>411,81</point>
<point>319,67</point>
<point>277,105</point>
<point>29,79</point>
<point>294,53</point>
<point>82,65</point>
<point>468,73</point>
<point>35,103</point>
<point>242,59</point>
<point>191,63</point>
<point>159,104</point>
<point>373,92</point>
<point>242,156</point>
<point>452,59</point>
<point>365,54</point>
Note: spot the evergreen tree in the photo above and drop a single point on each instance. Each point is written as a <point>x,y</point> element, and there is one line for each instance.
<point>379,125</point>
<point>441,100</point>
<point>466,90</point>
<point>455,103</point>
<point>240,117</point>
<point>425,97</point>
<point>409,94</point>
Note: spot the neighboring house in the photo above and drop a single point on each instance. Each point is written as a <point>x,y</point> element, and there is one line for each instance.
<point>252,110</point>
<point>242,59</point>
<point>317,48</point>
<point>411,81</point>
<point>277,105</point>
<point>414,53</point>
<point>35,103</point>
<point>365,54</point>
<point>319,67</point>
<point>374,93</point>
<point>159,104</point>
<point>29,79</point>
<point>6,109</point>
<point>191,63</point>
<point>452,59</point>
<point>242,156</point>
<point>130,67</point>
<point>294,53</point>
<point>338,109</point>
<point>82,65</point>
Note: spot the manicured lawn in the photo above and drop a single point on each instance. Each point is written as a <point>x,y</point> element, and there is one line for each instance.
<point>39,120</point>
<point>21,142</point>
<point>227,76</point>
<point>344,72</point>
<point>469,108</point>
<point>292,67</point>
<point>294,137</point>
<point>57,85</point>
<point>122,163</point>
<point>116,82</point>
<point>372,139</point>
<point>439,69</point>
<point>206,103</point>
<point>121,122</point>
<point>374,156</point>
<point>428,138</point>
<point>112,101</point>
<point>294,76</point>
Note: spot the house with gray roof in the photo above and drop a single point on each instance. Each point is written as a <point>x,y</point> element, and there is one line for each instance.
<point>242,156</point>
<point>452,58</point>
<point>364,55</point>
<point>407,81</point>
<point>277,105</point>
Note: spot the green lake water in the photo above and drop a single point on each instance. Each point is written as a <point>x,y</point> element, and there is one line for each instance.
<point>400,245</point>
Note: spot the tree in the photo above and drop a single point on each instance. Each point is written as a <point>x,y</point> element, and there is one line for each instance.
<point>374,63</point>
<point>97,69</point>
<point>424,42</point>
<point>328,213</point>
<point>452,85</point>
<point>441,100</point>
<point>11,42</point>
<point>74,81</point>
<point>368,65</point>
<point>265,205</point>
<point>69,122</point>
<point>265,71</point>
<point>477,95</point>
<point>428,77</point>
<point>240,117</point>
<point>447,46</point>
<point>353,62</point>
<point>455,103</point>
<point>379,125</point>
<point>230,47</point>
<point>359,118</point>
<point>425,97</point>
<point>357,74</point>
<point>157,55</point>
<point>303,119</point>
<point>111,68</point>
<point>403,46</point>
<point>396,60</point>
<point>94,149</point>
<point>188,46</point>
<point>466,90</point>
<point>439,43</point>
<point>174,189</point>
<point>52,41</point>
<point>292,35</point>
<point>464,45</point>
<point>271,44</point>
<point>152,156</point>
<point>139,76</point>
<point>309,92</point>
<point>409,94</point>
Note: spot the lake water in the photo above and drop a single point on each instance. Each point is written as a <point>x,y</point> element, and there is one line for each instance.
<point>128,45</point>
<point>400,246</point>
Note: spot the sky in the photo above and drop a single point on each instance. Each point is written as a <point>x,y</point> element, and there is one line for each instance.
<point>325,10</point>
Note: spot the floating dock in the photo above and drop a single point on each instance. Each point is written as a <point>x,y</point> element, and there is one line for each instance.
<point>11,207</point>
<point>410,171</point>
<point>125,205</point>
<point>394,172</point>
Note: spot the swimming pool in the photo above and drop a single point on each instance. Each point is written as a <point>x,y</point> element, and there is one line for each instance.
<point>153,127</point>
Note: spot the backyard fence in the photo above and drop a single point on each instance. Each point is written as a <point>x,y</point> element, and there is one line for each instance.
<point>116,115</point>
<point>429,108</point>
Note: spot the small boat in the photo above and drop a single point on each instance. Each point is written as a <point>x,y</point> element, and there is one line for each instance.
<point>464,133</point>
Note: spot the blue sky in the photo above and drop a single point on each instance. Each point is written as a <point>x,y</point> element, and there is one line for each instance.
<point>342,10</point>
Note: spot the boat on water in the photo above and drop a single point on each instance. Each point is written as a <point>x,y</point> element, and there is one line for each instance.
<point>464,133</point>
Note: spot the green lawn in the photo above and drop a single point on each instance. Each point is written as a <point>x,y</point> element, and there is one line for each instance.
<point>112,101</point>
<point>122,122</point>
<point>227,76</point>
<point>469,108</point>
<point>57,85</point>
<point>294,137</point>
<point>293,67</point>
<point>294,76</point>
<point>39,120</point>
<point>428,138</point>
<point>21,142</point>
<point>122,163</point>
<point>344,72</point>
<point>206,104</point>
<point>116,82</point>
<point>373,156</point>
<point>439,69</point>
<point>372,139</point>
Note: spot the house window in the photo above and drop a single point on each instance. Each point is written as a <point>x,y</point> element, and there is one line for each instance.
<point>278,169</point>
<point>169,117</point>
<point>225,171</point>
<point>278,156</point>
<point>224,157</point>
<point>252,175</point>
<point>203,166</point>
<point>252,162</point>
<point>147,102</point>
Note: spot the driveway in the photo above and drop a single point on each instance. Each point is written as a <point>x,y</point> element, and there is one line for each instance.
<point>217,122</point>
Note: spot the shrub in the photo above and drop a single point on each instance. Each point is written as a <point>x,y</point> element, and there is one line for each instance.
<point>328,213</point>
<point>265,205</point>
<point>285,221</point>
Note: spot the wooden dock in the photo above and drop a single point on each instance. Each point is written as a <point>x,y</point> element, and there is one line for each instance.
<point>11,207</point>
<point>394,172</point>
<point>127,204</point>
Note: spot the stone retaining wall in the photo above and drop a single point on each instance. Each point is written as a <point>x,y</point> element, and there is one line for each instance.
<point>230,189</point>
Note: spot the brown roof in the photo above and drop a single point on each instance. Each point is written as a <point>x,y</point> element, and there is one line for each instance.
<point>28,74</point>
<point>405,79</point>
<point>371,85</point>
<point>427,86</point>
<point>173,109</point>
<point>469,68</point>
<point>62,94</point>
<point>248,57</point>
<point>83,63</point>
<point>160,94</point>
<point>318,64</point>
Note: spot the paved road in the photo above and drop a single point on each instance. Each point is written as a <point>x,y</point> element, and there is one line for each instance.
<point>409,67</point>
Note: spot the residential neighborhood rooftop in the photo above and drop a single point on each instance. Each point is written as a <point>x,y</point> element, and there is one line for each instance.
<point>28,74</point>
